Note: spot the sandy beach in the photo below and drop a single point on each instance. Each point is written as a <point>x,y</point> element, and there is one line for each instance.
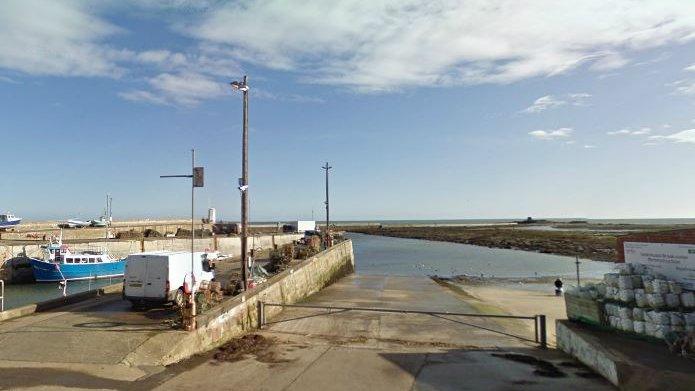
<point>518,297</point>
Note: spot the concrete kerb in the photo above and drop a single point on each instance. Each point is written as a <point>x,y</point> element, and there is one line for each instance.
<point>238,315</point>
<point>586,351</point>
<point>60,302</point>
<point>641,367</point>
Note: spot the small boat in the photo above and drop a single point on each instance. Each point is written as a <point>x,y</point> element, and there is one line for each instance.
<point>8,220</point>
<point>73,223</point>
<point>101,223</point>
<point>61,264</point>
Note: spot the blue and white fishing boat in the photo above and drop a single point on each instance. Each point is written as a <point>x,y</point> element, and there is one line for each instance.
<point>60,264</point>
<point>8,220</point>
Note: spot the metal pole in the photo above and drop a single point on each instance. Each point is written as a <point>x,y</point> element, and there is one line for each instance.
<point>328,220</point>
<point>193,309</point>
<point>245,192</point>
<point>577,263</point>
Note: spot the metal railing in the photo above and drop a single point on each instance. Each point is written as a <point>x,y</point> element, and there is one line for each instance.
<point>2,295</point>
<point>539,321</point>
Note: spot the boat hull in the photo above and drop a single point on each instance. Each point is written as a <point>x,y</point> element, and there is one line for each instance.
<point>10,224</point>
<point>47,271</point>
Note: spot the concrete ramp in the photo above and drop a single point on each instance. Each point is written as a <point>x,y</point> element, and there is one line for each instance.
<point>403,293</point>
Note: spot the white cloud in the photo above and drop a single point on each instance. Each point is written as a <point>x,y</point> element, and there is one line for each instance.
<point>619,132</point>
<point>690,68</point>
<point>387,45</point>
<point>181,89</point>
<point>551,134</point>
<point>683,87</point>
<point>549,102</point>
<point>684,136</point>
<point>544,103</point>
<point>261,93</point>
<point>589,146</point>
<point>59,38</point>
<point>143,96</point>
<point>10,80</point>
<point>204,59</point>
<point>626,132</point>
<point>609,61</point>
<point>66,39</point>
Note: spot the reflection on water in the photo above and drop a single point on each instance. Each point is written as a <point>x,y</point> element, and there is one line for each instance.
<point>414,257</point>
<point>23,294</point>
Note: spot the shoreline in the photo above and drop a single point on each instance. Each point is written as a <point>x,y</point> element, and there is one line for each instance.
<point>596,242</point>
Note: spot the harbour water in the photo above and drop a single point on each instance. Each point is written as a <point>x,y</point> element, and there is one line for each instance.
<point>414,257</point>
<point>17,295</point>
<point>391,256</point>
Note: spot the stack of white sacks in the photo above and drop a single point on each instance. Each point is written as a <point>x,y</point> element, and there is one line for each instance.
<point>638,301</point>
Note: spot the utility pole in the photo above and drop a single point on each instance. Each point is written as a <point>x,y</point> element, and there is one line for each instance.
<point>577,263</point>
<point>197,180</point>
<point>106,215</point>
<point>328,220</point>
<point>244,180</point>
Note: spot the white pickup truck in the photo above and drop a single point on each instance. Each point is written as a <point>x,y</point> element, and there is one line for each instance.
<point>159,276</point>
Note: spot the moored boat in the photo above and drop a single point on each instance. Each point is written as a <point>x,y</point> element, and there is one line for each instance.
<point>60,264</point>
<point>8,220</point>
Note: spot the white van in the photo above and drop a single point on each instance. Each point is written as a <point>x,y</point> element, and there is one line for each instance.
<point>159,276</point>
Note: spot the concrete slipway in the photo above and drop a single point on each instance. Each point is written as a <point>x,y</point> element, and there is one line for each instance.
<point>311,350</point>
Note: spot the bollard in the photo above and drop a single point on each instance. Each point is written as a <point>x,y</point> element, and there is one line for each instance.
<point>544,337</point>
<point>261,314</point>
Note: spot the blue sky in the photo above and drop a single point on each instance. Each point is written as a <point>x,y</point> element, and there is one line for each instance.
<point>445,109</point>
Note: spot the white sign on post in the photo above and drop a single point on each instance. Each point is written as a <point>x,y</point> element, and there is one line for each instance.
<point>675,261</point>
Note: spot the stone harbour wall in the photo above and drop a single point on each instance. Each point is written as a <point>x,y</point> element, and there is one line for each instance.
<point>238,315</point>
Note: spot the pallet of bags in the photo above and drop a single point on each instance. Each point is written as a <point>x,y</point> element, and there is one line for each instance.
<point>688,299</point>
<point>689,321</point>
<point>657,323</point>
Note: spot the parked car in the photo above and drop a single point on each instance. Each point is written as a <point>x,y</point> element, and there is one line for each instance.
<point>161,277</point>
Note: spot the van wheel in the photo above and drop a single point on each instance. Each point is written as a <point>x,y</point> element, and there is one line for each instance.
<point>178,298</point>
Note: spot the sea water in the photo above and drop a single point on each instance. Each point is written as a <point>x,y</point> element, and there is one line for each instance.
<point>414,257</point>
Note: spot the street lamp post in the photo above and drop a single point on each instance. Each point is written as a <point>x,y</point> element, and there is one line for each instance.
<point>244,180</point>
<point>197,180</point>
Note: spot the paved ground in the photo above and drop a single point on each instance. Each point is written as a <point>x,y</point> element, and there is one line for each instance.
<point>87,341</point>
<point>313,350</point>
<point>309,349</point>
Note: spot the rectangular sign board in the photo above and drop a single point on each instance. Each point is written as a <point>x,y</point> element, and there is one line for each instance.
<point>198,176</point>
<point>675,261</point>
